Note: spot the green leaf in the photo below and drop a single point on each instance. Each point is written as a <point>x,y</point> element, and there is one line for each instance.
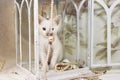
<point>104,56</point>
<point>101,13</point>
<point>83,44</point>
<point>116,43</point>
<point>105,32</point>
<point>106,1</point>
<point>70,29</point>
<point>101,52</point>
<point>67,35</point>
<point>104,44</point>
<point>114,30</point>
<point>113,52</point>
<point>69,49</point>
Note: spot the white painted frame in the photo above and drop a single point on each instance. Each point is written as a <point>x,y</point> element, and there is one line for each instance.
<point>18,7</point>
<point>36,42</point>
<point>78,8</point>
<point>91,31</point>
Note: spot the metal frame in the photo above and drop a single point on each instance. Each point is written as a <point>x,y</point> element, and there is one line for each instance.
<point>19,8</point>
<point>91,29</point>
<point>78,8</point>
<point>90,32</point>
<point>36,46</point>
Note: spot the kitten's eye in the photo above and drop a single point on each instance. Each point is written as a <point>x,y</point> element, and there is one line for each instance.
<point>52,28</point>
<point>44,29</point>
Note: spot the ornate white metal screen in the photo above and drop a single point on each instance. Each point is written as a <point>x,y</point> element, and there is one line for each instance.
<point>108,12</point>
<point>27,47</point>
<point>26,20</point>
<point>77,6</point>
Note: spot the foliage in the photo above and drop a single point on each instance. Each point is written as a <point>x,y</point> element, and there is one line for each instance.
<point>68,49</point>
<point>102,52</point>
<point>70,32</point>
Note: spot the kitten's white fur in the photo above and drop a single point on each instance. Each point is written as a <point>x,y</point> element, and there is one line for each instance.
<point>57,53</point>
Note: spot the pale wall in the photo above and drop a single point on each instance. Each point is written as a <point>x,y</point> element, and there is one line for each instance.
<point>7,29</point>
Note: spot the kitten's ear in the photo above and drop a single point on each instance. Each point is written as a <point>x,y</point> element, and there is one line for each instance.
<point>57,19</point>
<point>40,19</point>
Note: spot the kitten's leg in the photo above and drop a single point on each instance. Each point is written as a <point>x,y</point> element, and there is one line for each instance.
<point>43,59</point>
<point>55,58</point>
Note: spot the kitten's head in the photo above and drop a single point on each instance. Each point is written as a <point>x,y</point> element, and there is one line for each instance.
<point>46,28</point>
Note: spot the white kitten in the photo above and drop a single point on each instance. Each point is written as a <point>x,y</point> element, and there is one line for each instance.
<point>44,30</point>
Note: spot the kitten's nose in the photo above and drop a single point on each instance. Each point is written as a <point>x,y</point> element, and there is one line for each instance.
<point>51,34</point>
